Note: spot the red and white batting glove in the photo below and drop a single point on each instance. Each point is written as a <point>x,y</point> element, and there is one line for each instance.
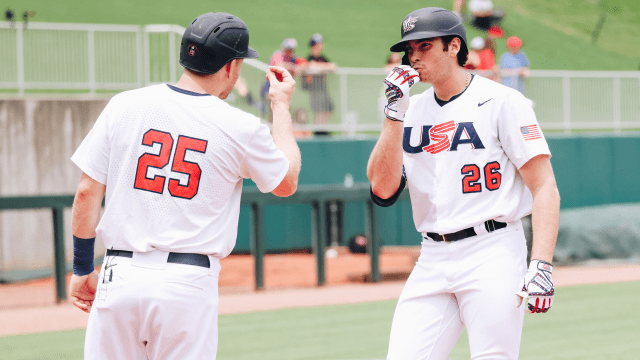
<point>537,287</point>
<point>397,85</point>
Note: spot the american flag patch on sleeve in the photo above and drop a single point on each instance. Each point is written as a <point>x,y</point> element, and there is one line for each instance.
<point>530,132</point>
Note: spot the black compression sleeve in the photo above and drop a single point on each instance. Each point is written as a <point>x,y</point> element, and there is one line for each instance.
<point>390,201</point>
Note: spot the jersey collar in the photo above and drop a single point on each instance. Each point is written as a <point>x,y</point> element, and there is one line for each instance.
<point>186,92</point>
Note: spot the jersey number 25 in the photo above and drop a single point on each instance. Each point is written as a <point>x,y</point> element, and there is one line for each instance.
<point>156,184</point>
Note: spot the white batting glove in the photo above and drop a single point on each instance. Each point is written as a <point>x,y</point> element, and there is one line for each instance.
<point>537,287</point>
<point>397,85</point>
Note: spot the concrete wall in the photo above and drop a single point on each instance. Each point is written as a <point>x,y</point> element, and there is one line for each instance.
<point>37,138</point>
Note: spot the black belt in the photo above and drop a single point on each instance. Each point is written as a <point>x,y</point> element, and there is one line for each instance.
<point>175,258</point>
<point>490,225</point>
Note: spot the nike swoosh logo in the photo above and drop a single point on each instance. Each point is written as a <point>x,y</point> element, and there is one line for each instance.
<point>482,103</point>
<point>109,266</point>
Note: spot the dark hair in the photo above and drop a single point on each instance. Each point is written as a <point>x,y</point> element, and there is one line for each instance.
<point>462,54</point>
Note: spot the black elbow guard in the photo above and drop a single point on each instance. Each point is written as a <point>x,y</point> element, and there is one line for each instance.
<point>392,200</point>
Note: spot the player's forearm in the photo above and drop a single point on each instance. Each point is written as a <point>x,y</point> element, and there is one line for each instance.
<point>86,207</point>
<point>545,221</point>
<point>384,169</point>
<point>284,139</point>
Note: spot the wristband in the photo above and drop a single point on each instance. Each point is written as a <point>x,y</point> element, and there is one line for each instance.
<point>83,256</point>
<point>540,265</point>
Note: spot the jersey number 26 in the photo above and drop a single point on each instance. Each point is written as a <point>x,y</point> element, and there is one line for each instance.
<point>492,178</point>
<point>156,184</point>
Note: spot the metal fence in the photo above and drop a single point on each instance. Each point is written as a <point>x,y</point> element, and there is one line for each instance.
<point>91,58</point>
<point>317,196</point>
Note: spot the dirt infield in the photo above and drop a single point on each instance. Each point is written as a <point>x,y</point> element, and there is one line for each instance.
<point>290,281</point>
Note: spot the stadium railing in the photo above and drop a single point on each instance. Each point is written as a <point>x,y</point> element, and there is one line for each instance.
<point>94,58</point>
<point>317,196</point>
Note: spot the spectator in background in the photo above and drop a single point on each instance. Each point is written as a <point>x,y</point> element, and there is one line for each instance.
<point>286,58</point>
<point>473,58</point>
<point>393,60</point>
<point>484,15</point>
<point>315,81</point>
<point>487,56</point>
<point>495,32</point>
<point>25,19</point>
<point>8,15</point>
<point>300,118</point>
<point>458,6</point>
<point>243,91</point>
<point>514,65</point>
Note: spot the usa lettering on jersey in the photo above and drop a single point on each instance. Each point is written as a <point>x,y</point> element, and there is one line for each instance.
<point>442,137</point>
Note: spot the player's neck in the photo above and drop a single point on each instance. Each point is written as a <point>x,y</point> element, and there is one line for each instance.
<point>199,84</point>
<point>452,85</point>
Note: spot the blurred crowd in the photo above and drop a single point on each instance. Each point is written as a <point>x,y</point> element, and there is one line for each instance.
<point>10,17</point>
<point>513,66</point>
<point>509,68</point>
<point>311,75</point>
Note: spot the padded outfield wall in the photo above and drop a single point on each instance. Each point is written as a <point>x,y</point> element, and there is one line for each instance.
<point>38,136</point>
<point>590,170</point>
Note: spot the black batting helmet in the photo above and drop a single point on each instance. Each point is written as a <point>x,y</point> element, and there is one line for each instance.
<point>429,23</point>
<point>212,40</point>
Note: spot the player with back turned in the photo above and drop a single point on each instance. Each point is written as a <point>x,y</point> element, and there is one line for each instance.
<point>475,162</point>
<point>171,161</point>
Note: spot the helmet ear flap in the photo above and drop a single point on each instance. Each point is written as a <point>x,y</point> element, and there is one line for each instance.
<point>405,60</point>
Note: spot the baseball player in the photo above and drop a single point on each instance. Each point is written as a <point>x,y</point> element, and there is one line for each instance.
<point>475,162</point>
<point>171,160</point>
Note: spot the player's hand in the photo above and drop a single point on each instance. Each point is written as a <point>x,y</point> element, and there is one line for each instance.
<point>537,286</point>
<point>397,85</point>
<point>82,290</point>
<point>281,86</point>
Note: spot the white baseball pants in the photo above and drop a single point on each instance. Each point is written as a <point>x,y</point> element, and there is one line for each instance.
<point>471,282</point>
<point>146,308</point>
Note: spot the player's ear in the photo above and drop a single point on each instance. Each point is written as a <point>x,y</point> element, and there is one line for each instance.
<point>455,45</point>
<point>232,66</point>
<point>228,68</point>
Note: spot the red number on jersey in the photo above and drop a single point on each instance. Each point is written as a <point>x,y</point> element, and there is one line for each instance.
<point>155,184</point>
<point>470,182</point>
<point>492,178</point>
<point>185,167</point>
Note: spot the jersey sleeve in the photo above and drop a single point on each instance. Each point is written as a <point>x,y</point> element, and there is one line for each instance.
<point>92,156</point>
<point>518,130</point>
<point>264,163</point>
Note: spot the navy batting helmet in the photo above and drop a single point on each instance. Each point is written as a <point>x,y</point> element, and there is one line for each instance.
<point>212,40</point>
<point>429,23</point>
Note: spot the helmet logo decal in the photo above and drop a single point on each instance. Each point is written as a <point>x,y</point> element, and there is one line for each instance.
<point>192,50</point>
<point>409,23</point>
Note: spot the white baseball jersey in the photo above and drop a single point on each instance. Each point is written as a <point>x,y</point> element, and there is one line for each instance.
<point>461,157</point>
<point>173,164</point>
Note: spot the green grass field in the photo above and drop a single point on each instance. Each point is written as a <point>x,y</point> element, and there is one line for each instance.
<point>586,322</point>
<point>358,33</point>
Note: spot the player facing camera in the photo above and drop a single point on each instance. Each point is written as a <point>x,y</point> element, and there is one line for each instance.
<point>475,161</point>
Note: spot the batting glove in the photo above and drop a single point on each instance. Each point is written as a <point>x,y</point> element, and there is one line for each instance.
<point>397,85</point>
<point>537,287</point>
